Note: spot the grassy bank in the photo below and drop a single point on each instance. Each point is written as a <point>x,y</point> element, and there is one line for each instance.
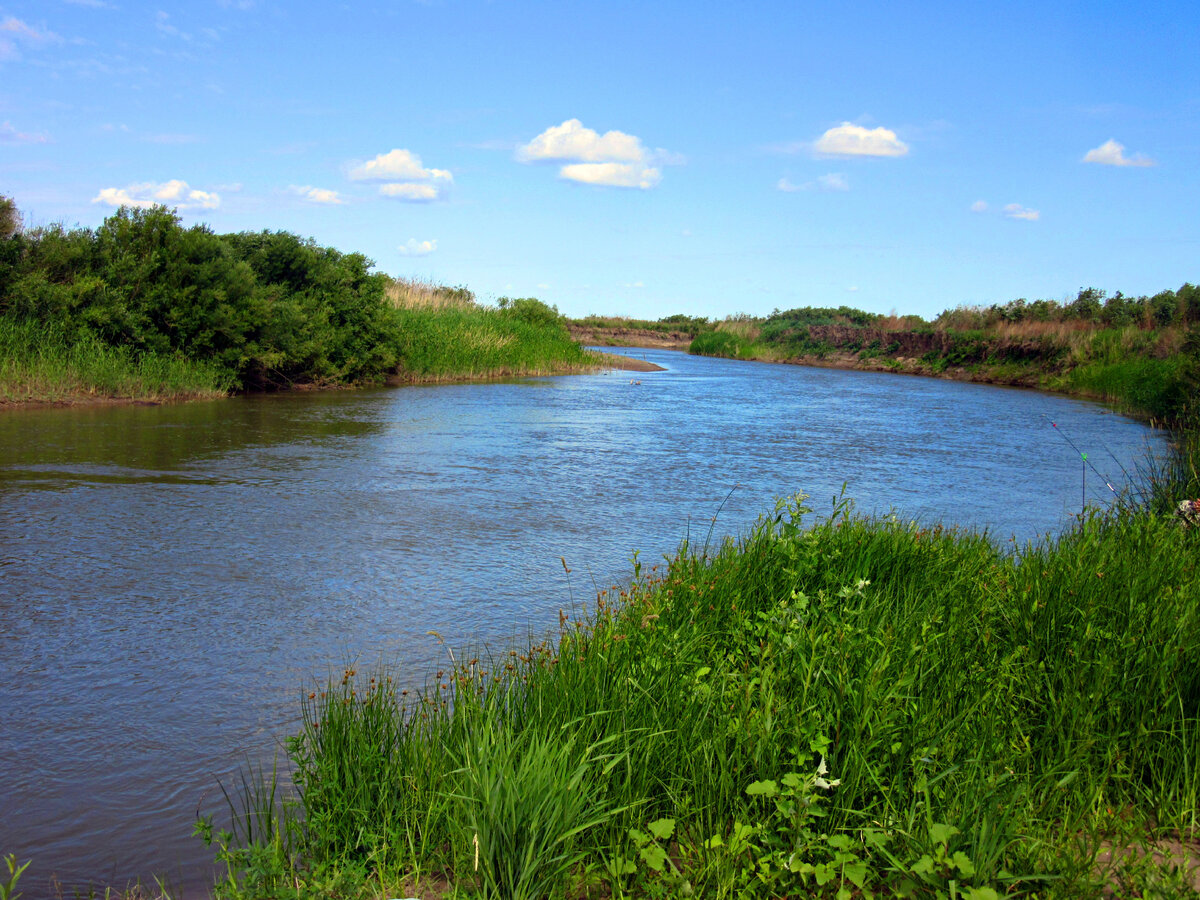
<point>838,707</point>
<point>41,365</point>
<point>144,308</point>
<point>1139,353</point>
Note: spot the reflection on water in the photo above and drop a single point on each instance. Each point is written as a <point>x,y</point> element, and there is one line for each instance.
<point>172,577</point>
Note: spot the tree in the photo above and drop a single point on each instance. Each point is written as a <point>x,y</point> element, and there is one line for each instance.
<point>10,218</point>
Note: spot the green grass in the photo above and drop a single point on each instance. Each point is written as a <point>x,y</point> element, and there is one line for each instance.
<point>856,705</point>
<point>478,342</point>
<point>37,363</point>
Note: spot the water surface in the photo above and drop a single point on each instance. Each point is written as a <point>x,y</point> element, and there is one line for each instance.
<point>171,578</point>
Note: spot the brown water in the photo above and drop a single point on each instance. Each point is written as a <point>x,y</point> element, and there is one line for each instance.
<point>171,578</point>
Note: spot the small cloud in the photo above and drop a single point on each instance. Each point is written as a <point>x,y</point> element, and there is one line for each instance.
<point>834,181</point>
<point>853,289</point>
<point>979,206</point>
<point>1017,211</point>
<point>169,193</point>
<point>849,139</point>
<point>94,4</point>
<point>634,284</point>
<point>162,22</point>
<point>543,286</point>
<point>397,165</point>
<point>171,139</point>
<point>413,247</point>
<point>10,135</point>
<point>612,159</point>
<point>14,31</point>
<point>1110,153</point>
<point>612,174</point>
<point>312,194</point>
<point>410,191</point>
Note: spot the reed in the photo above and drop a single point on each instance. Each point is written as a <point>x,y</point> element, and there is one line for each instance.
<point>466,342</point>
<point>38,362</point>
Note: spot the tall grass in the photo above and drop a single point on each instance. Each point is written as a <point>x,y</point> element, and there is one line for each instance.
<point>856,706</point>
<point>37,362</point>
<point>454,342</point>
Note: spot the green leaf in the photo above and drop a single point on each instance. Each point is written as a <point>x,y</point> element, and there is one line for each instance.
<point>654,856</point>
<point>662,828</point>
<point>857,872</point>
<point>924,865</point>
<point>981,893</point>
<point>940,834</point>
<point>763,789</point>
<point>963,863</point>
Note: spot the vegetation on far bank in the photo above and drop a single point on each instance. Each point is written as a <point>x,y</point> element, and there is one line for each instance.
<point>143,307</point>
<point>1138,352</point>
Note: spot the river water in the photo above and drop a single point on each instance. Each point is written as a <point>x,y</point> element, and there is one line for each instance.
<point>171,578</point>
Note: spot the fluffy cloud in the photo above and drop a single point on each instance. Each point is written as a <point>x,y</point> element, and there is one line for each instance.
<point>849,139</point>
<point>1017,211</point>
<point>10,135</point>
<point>571,140</point>
<point>14,31</point>
<point>834,181</point>
<point>413,247</point>
<point>318,195</point>
<point>169,193</point>
<point>410,191</point>
<point>612,159</point>
<point>612,174</point>
<point>404,176</point>
<point>397,165</point>
<point>1110,153</point>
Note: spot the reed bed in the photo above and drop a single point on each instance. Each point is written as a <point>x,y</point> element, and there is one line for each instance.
<point>467,342</point>
<point>38,363</point>
<point>844,708</point>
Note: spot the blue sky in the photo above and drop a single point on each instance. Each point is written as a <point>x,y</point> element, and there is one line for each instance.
<point>636,158</point>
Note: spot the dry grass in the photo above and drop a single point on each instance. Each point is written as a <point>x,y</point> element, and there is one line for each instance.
<point>741,327</point>
<point>412,293</point>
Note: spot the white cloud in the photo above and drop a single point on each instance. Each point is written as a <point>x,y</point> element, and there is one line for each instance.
<point>13,30</point>
<point>10,135</point>
<point>1110,153</point>
<point>853,289</point>
<point>849,139</point>
<point>162,22</point>
<point>410,191</point>
<point>169,193</point>
<point>572,141</point>
<point>1017,211</point>
<point>397,165</point>
<point>834,181</point>
<point>612,159</point>
<point>317,195</point>
<point>979,206</point>
<point>413,247</point>
<point>634,284</point>
<point>612,174</point>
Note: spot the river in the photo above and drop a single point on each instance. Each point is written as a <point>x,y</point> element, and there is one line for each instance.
<point>172,577</point>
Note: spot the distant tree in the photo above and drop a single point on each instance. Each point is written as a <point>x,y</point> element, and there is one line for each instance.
<point>10,218</point>
<point>1087,305</point>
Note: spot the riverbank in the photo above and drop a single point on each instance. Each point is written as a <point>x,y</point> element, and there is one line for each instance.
<point>1145,369</point>
<point>143,309</point>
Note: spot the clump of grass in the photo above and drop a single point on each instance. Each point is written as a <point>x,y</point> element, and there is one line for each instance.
<point>410,293</point>
<point>37,362</point>
<point>455,342</point>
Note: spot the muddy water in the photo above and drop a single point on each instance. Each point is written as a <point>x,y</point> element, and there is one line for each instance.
<point>172,577</point>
